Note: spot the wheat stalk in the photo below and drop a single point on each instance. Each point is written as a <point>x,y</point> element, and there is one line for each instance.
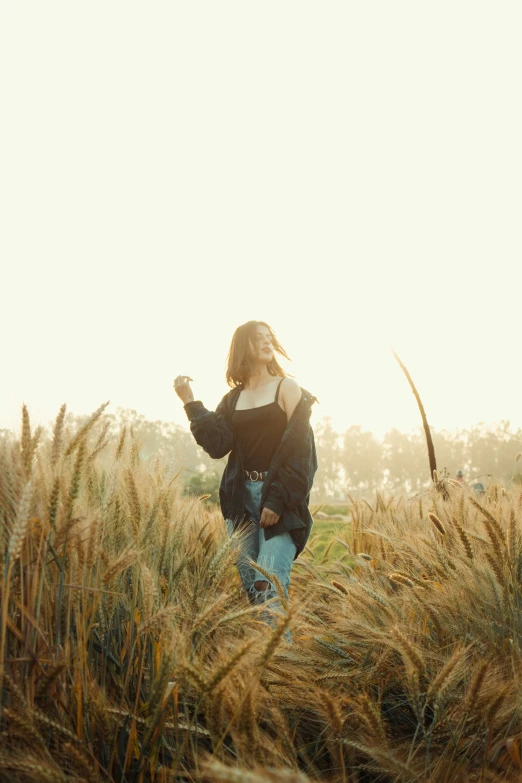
<point>195,675</point>
<point>466,543</point>
<point>33,766</point>
<point>19,531</point>
<point>373,719</point>
<point>133,498</point>
<point>148,592</point>
<point>401,579</point>
<point>82,432</point>
<point>408,650</point>
<point>274,639</point>
<point>56,447</point>
<point>493,523</point>
<point>332,711</point>
<point>339,586</point>
<point>228,666</point>
<point>476,686</point>
<point>442,680</point>
<point>121,563</point>
<point>438,524</point>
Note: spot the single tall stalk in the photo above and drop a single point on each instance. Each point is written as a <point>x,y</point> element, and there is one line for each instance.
<point>429,439</point>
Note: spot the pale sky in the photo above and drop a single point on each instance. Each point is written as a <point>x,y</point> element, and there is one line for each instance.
<point>350,172</point>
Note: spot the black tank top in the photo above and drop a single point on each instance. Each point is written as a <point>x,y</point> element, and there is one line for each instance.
<point>259,432</point>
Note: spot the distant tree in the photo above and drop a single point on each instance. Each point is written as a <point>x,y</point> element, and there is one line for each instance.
<point>405,460</point>
<point>362,459</point>
<point>203,483</point>
<point>326,483</point>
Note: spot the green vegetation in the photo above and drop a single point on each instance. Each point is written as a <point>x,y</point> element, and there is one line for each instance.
<point>204,483</point>
<point>323,537</point>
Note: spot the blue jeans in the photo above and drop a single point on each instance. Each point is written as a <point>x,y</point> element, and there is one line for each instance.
<point>276,555</point>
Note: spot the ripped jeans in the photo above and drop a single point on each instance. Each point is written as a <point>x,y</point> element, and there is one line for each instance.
<point>276,555</point>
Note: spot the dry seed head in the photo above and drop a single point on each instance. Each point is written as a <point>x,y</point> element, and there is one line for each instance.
<point>121,442</point>
<point>148,592</point>
<point>332,710</point>
<point>80,761</point>
<point>339,586</point>
<point>25,443</point>
<point>249,716</point>
<point>513,536</point>
<point>273,639</point>
<point>159,620</point>
<point>442,679</point>
<point>33,766</point>
<point>438,524</point>
<point>401,579</point>
<point>409,650</point>
<point>58,436</point>
<point>20,527</point>
<point>518,456</point>
<point>133,496</point>
<point>496,704</point>
<point>364,556</point>
<point>53,501</point>
<point>499,532</point>
<point>194,675</point>
<point>476,685</point>
<point>92,542</point>
<point>373,719</point>
<point>77,472</point>
<point>434,617</point>
<point>230,664</point>
<point>466,543</point>
<point>121,563</point>
<point>496,567</point>
<point>80,435</point>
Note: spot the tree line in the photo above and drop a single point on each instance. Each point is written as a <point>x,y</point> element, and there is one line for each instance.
<point>354,461</point>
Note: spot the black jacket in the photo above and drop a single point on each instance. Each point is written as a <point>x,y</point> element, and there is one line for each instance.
<point>290,475</point>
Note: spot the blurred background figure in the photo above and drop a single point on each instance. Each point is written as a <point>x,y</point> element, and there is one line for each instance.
<point>479,488</point>
<point>460,477</point>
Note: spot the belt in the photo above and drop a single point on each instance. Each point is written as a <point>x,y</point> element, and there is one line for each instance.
<point>254,475</point>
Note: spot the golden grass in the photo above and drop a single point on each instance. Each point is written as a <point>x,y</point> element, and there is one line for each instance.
<point>128,651</point>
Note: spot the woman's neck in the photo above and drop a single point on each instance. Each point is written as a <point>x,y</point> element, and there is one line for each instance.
<point>260,378</point>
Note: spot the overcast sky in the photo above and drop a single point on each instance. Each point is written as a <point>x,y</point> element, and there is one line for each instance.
<point>349,172</point>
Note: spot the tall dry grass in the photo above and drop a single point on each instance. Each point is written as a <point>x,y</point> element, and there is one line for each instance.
<point>128,652</point>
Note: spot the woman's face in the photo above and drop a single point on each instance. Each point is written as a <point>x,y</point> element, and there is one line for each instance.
<point>262,348</point>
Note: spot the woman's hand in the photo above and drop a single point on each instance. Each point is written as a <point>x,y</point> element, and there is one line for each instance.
<point>268,518</point>
<point>182,388</point>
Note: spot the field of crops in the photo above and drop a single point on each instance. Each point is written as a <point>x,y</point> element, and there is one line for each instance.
<point>128,652</point>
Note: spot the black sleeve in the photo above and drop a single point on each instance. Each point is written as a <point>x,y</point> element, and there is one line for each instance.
<point>210,429</point>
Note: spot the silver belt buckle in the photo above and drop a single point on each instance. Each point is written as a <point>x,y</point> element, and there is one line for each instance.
<point>252,475</point>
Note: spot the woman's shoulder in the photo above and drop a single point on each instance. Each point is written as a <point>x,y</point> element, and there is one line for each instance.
<point>289,387</point>
<point>294,392</point>
<point>289,383</point>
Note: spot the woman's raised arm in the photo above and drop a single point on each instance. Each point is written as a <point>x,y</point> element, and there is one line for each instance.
<point>211,429</point>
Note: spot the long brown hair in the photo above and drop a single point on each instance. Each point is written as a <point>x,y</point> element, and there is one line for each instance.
<point>240,364</point>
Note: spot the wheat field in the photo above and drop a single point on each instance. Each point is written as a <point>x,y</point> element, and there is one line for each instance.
<point>129,653</point>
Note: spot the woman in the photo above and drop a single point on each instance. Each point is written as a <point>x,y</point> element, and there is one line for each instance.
<point>263,423</point>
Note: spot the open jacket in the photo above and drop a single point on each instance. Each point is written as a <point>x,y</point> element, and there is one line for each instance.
<point>288,484</point>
